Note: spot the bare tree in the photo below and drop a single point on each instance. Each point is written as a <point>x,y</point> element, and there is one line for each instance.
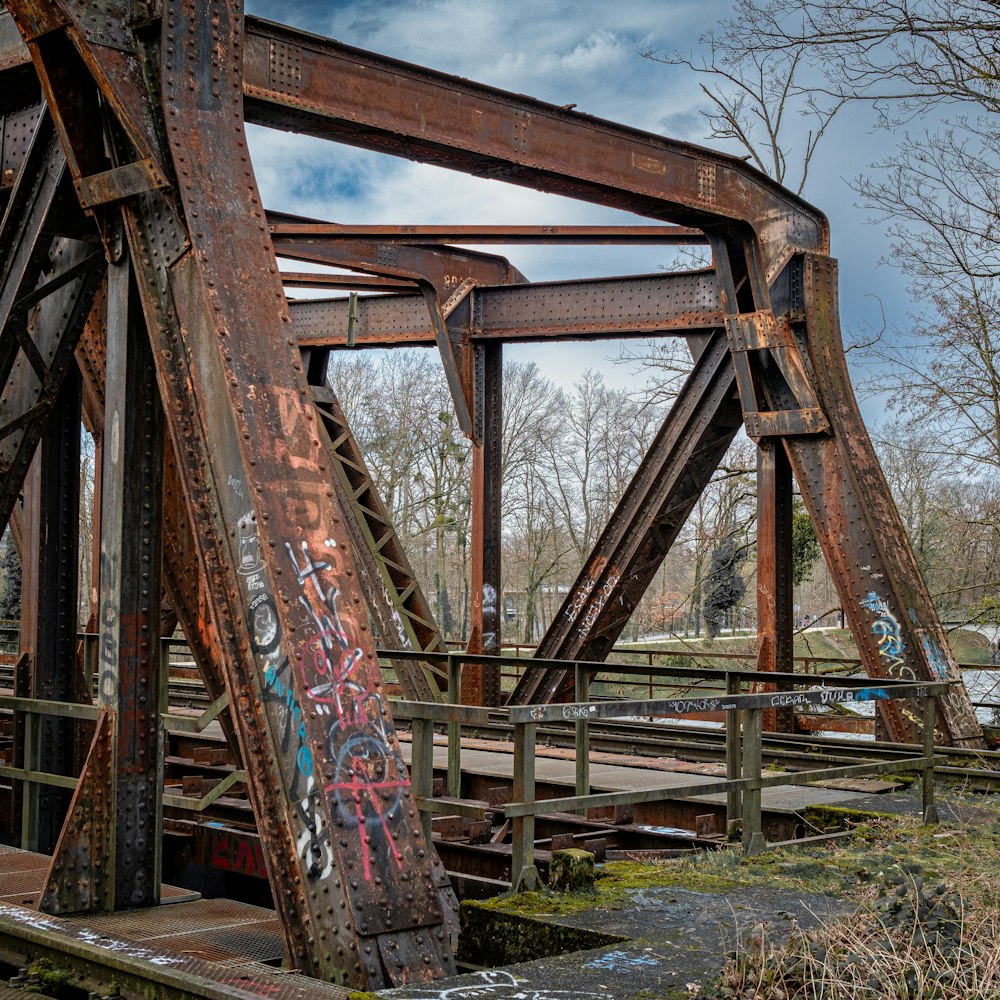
<point>756,101</point>
<point>904,55</point>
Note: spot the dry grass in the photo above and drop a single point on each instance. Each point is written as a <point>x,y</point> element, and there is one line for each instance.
<point>910,939</point>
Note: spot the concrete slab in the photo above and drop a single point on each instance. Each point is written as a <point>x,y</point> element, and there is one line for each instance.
<point>676,936</point>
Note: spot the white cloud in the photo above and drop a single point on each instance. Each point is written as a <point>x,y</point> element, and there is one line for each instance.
<point>562,51</point>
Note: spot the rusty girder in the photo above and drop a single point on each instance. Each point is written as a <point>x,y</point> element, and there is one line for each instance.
<point>268,550</point>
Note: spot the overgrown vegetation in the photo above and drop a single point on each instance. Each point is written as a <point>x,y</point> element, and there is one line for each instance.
<point>926,926</point>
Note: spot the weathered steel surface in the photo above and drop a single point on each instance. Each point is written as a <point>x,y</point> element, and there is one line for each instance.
<point>775,623</point>
<point>330,791</point>
<point>128,668</point>
<point>286,228</point>
<point>339,773</point>
<point>307,84</point>
<point>392,590</point>
<point>36,345</point>
<point>481,682</point>
<point>273,529</point>
<point>182,579</point>
<point>51,520</point>
<point>885,598</point>
<point>685,452</point>
<point>81,876</point>
<point>446,268</point>
<point>635,306</point>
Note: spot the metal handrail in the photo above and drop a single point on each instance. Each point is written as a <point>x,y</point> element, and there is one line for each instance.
<point>744,732</point>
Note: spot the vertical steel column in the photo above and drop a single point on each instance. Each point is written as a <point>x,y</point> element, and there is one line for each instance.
<point>581,678</point>
<point>734,754</point>
<point>481,685</point>
<point>454,729</point>
<point>929,718</point>
<point>522,862</point>
<point>774,571</point>
<point>422,767</point>
<point>49,609</point>
<point>129,647</point>
<point>753,837</point>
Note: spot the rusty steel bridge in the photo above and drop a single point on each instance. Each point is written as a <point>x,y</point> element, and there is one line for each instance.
<point>140,295</point>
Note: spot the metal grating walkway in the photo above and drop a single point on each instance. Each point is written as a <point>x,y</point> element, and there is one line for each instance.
<point>208,946</point>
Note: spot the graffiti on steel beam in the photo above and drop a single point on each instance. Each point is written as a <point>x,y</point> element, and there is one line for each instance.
<point>489,615</point>
<point>598,599</point>
<point>397,618</point>
<point>234,853</point>
<point>108,654</point>
<point>935,657</point>
<point>887,631</point>
<point>368,778</point>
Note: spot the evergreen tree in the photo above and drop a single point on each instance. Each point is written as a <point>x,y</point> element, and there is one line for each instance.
<point>805,544</point>
<point>724,587</point>
<point>10,580</point>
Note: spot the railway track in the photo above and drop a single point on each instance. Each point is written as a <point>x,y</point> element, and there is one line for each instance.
<point>793,752</point>
<point>702,744</point>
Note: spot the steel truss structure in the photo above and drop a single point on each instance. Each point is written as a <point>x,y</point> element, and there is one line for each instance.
<point>140,293</point>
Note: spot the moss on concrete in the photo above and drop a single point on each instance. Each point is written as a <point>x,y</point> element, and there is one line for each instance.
<point>884,847</point>
<point>491,937</point>
<point>823,818</point>
<point>572,870</point>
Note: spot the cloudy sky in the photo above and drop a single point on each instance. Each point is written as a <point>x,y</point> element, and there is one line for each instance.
<point>584,52</point>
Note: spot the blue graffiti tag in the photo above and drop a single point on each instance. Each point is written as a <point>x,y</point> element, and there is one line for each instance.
<point>935,658</point>
<point>620,960</point>
<point>871,694</point>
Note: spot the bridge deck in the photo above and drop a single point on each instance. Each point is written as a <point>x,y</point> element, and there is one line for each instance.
<point>210,947</point>
<point>614,772</point>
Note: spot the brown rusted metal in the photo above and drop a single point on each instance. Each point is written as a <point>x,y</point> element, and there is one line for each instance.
<point>886,602</point>
<point>273,530</point>
<point>81,875</point>
<point>598,308</point>
<point>297,81</point>
<point>505,235</point>
<point>774,572</point>
<point>360,282</point>
<point>481,682</point>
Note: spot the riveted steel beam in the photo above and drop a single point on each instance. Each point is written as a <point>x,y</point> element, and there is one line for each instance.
<point>51,526</point>
<point>282,230</point>
<point>775,624</point>
<point>591,309</point>
<point>885,599</point>
<point>327,782</point>
<point>687,449</point>
<point>308,84</point>
<point>481,682</point>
